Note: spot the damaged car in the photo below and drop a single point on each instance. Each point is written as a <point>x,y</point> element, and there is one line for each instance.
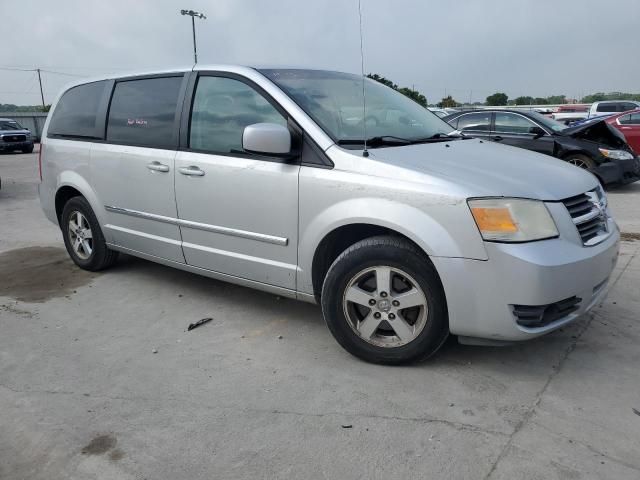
<point>595,146</point>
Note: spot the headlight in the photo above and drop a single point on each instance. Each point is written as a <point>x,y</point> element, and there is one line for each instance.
<point>616,154</point>
<point>512,219</point>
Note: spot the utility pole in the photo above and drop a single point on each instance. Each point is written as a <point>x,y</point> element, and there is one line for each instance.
<point>41,92</point>
<point>193,16</point>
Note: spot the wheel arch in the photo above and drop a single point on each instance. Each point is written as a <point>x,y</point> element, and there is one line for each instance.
<point>331,233</point>
<point>72,184</point>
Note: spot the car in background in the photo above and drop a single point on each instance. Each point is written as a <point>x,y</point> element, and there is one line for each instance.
<point>629,124</point>
<point>570,113</point>
<point>595,146</point>
<point>610,107</point>
<point>14,137</point>
<point>442,112</point>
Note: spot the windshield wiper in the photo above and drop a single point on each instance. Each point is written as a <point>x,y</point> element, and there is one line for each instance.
<point>385,140</point>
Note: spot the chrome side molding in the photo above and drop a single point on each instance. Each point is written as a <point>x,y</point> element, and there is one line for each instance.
<point>260,237</point>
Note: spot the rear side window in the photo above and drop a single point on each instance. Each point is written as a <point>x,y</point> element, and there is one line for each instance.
<point>474,122</point>
<point>222,108</point>
<point>608,107</point>
<point>76,114</point>
<point>630,119</point>
<point>143,112</point>
<point>628,106</point>
<point>512,123</point>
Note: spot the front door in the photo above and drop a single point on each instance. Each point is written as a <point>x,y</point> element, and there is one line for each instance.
<point>238,212</point>
<point>132,172</point>
<point>518,131</point>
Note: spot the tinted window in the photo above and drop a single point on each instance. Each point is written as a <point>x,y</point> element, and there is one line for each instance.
<point>142,112</point>
<point>631,119</point>
<point>608,107</point>
<point>512,123</point>
<point>628,106</point>
<point>76,112</point>
<point>222,107</point>
<point>474,122</point>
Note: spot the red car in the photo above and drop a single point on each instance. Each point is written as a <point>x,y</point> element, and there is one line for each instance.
<point>629,124</point>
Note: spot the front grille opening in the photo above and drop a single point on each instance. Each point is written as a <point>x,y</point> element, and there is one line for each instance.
<point>534,316</point>
<point>589,217</point>
<point>14,138</point>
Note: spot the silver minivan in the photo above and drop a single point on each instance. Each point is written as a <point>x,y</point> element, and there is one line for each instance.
<point>261,177</point>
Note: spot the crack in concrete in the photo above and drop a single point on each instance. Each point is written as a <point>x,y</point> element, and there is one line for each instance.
<point>460,426</point>
<point>554,372</point>
<point>589,447</point>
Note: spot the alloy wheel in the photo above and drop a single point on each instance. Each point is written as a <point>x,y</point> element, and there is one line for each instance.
<point>385,306</point>
<point>80,235</point>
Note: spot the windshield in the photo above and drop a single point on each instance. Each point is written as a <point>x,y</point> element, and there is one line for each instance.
<point>9,125</point>
<point>550,123</point>
<point>334,101</point>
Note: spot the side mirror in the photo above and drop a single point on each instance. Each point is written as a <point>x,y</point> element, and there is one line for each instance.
<point>266,139</point>
<point>537,132</point>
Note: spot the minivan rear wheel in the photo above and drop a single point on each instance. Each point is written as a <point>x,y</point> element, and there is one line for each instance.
<point>383,302</point>
<point>83,236</point>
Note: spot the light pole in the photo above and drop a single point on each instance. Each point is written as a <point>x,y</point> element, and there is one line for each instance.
<point>193,16</point>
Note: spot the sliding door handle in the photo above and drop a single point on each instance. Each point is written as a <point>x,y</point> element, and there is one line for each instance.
<point>192,171</point>
<point>158,167</point>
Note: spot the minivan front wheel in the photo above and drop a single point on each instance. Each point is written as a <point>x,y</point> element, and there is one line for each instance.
<point>83,236</point>
<point>383,302</point>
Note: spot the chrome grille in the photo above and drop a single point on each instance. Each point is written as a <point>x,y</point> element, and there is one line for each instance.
<point>589,213</point>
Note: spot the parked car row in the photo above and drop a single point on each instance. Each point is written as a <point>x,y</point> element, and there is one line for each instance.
<point>401,228</point>
<point>574,113</point>
<point>598,145</point>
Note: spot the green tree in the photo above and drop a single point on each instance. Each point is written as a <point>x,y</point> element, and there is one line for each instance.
<point>540,101</point>
<point>414,95</point>
<point>556,99</point>
<point>497,99</point>
<point>524,100</point>
<point>407,92</point>
<point>382,80</point>
<point>448,102</point>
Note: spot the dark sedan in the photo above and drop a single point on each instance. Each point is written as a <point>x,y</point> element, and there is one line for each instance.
<point>595,146</point>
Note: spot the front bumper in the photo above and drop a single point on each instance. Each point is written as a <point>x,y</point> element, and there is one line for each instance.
<point>10,146</point>
<point>481,294</point>
<point>619,171</point>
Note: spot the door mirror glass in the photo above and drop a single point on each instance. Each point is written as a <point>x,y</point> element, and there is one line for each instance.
<point>266,139</point>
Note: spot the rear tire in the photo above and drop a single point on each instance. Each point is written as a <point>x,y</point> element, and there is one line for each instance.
<point>383,302</point>
<point>83,236</point>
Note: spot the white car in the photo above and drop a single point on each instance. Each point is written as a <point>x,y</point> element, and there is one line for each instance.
<point>606,108</point>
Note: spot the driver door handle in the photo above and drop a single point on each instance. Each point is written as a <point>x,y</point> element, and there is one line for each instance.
<point>158,167</point>
<point>191,171</point>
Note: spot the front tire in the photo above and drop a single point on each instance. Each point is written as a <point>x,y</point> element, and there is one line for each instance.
<point>83,236</point>
<point>28,149</point>
<point>581,161</point>
<point>383,302</point>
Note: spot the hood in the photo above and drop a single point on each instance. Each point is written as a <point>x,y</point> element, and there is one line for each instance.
<point>482,168</point>
<point>23,131</point>
<point>598,131</point>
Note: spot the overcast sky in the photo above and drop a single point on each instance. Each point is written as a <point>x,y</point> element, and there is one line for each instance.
<point>466,47</point>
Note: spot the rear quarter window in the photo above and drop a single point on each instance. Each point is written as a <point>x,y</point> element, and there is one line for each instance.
<point>143,112</point>
<point>76,113</point>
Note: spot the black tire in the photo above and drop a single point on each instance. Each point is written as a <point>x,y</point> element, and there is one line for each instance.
<point>101,256</point>
<point>581,161</point>
<point>28,149</point>
<point>397,253</point>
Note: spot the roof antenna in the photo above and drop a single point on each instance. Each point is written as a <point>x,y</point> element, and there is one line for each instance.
<point>365,152</point>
